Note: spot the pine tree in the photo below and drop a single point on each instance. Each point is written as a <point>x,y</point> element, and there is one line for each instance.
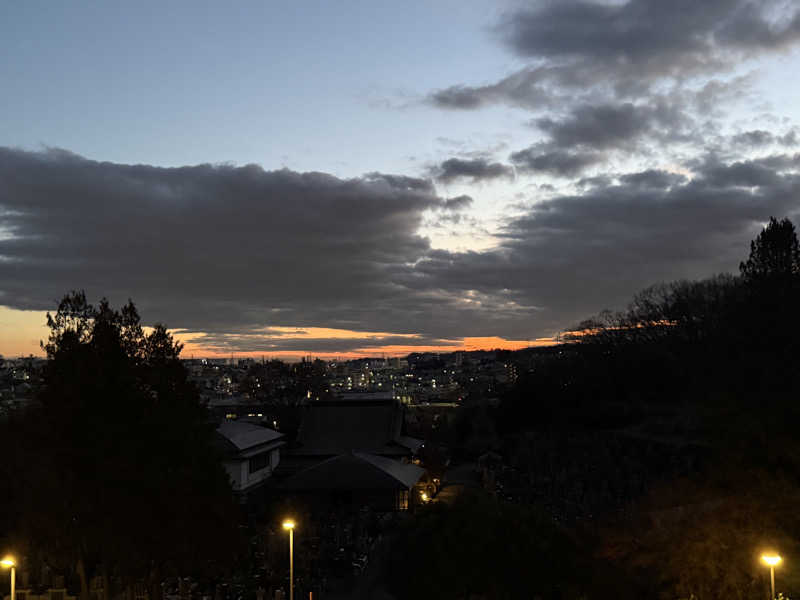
<point>774,254</point>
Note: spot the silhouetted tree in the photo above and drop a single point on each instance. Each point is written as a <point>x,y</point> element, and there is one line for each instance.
<point>696,381</point>
<point>117,472</point>
<point>480,548</point>
<point>774,254</point>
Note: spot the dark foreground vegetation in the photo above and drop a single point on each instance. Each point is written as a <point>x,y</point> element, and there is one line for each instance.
<point>654,455</point>
<point>663,441</point>
<point>112,475</point>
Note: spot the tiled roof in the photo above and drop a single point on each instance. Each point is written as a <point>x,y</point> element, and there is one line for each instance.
<point>244,436</point>
<point>355,471</point>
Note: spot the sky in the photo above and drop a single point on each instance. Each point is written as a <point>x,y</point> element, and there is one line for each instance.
<point>366,178</point>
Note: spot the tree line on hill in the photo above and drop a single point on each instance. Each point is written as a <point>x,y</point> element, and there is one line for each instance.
<point>663,440</point>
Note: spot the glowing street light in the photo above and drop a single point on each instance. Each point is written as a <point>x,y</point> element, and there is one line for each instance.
<point>771,560</point>
<point>9,563</point>
<point>289,524</point>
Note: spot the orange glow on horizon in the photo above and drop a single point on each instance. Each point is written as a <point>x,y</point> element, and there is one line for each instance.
<point>468,344</point>
<point>22,331</point>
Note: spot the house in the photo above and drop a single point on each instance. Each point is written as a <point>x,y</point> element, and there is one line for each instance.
<point>251,453</point>
<point>365,424</point>
<point>357,479</point>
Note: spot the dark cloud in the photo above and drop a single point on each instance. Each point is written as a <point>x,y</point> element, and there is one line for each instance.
<point>457,203</point>
<point>527,88</point>
<point>653,179</point>
<point>753,28</point>
<point>402,182</point>
<point>588,134</point>
<point>746,174</point>
<point>598,126</point>
<point>595,181</point>
<point>225,249</point>
<point>605,126</point>
<point>789,138</point>
<point>228,251</point>
<point>206,244</point>
<point>230,342</point>
<point>559,163</point>
<point>625,47</point>
<point>611,81</point>
<point>462,97</point>
<point>477,169</point>
<point>596,248</point>
<point>754,139</point>
<point>650,38</point>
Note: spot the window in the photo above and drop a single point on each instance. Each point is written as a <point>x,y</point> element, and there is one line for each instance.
<point>258,462</point>
<point>402,500</point>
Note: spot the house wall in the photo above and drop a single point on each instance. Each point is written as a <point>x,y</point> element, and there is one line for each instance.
<point>260,475</point>
<point>239,470</point>
<point>234,469</point>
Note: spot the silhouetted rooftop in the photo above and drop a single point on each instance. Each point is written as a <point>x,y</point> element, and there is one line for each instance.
<point>242,436</point>
<point>356,471</point>
<point>339,426</point>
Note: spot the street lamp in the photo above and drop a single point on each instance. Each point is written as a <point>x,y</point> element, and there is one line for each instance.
<point>772,560</point>
<point>289,524</point>
<point>9,563</point>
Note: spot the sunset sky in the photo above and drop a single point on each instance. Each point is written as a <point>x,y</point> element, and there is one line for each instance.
<point>365,178</point>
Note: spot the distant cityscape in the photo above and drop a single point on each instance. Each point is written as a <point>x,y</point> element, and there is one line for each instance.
<point>236,385</point>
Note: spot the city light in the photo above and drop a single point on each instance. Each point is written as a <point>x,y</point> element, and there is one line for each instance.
<point>771,559</point>
<point>288,524</point>
<point>8,562</point>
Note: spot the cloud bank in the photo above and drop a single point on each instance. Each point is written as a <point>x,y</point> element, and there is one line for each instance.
<point>226,251</point>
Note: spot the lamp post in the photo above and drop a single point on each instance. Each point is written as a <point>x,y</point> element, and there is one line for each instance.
<point>771,560</point>
<point>9,563</point>
<point>289,524</point>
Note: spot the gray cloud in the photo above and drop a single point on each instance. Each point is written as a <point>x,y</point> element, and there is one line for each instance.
<point>604,126</point>
<point>559,163</point>
<point>477,169</point>
<point>233,342</point>
<point>789,138</point>
<point>625,47</point>
<point>650,38</point>
<point>457,203</point>
<point>615,80</point>
<point>755,138</point>
<point>224,250</point>
<point>597,247</point>
<point>527,88</point>
<point>653,179</point>
<point>277,242</point>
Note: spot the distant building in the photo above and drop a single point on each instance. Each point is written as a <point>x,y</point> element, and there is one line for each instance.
<point>366,395</point>
<point>251,453</point>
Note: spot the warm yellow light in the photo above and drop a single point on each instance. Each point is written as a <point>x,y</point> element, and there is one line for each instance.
<point>424,496</point>
<point>8,562</point>
<point>288,524</point>
<point>771,559</point>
